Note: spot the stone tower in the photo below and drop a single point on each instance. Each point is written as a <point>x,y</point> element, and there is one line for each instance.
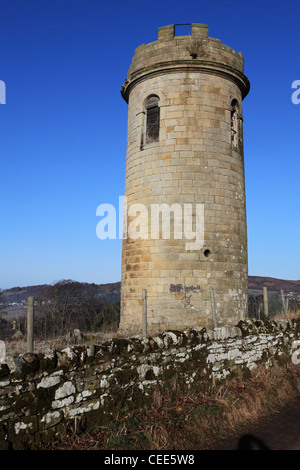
<point>185,234</point>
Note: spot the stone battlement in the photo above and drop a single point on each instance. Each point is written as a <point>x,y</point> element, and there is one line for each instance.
<point>197,51</point>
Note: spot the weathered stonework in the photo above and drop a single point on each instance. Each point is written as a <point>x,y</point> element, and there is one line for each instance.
<point>97,382</point>
<point>194,161</point>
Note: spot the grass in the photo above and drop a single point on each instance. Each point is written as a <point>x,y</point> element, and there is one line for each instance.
<point>287,316</point>
<point>177,421</point>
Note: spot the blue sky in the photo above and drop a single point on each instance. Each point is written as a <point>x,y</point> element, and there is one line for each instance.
<point>63,129</point>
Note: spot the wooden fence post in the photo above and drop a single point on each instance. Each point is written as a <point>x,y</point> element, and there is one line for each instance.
<point>144,317</point>
<point>266,307</point>
<point>30,313</point>
<point>286,306</point>
<point>283,301</point>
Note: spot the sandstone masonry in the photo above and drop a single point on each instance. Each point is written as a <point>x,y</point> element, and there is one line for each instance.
<point>185,146</point>
<point>84,386</point>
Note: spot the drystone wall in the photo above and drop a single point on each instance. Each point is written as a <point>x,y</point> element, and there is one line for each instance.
<point>84,385</point>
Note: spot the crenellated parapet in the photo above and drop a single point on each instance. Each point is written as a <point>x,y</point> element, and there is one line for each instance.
<point>195,52</point>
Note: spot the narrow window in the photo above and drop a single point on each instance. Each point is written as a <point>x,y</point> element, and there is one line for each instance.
<point>152,119</point>
<point>234,124</point>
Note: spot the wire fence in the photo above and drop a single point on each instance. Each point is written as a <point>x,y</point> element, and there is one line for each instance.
<point>53,320</point>
<point>266,303</point>
<point>48,323</point>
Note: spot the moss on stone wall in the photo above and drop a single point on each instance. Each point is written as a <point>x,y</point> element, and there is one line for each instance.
<point>81,386</point>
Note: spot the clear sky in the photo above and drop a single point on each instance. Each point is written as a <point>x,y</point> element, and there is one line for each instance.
<point>63,128</point>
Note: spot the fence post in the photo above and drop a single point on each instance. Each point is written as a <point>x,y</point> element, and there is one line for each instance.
<point>213,307</point>
<point>266,307</point>
<point>30,312</point>
<point>283,301</point>
<point>286,306</point>
<point>144,318</point>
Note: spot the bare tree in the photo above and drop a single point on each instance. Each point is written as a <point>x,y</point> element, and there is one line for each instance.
<point>68,305</point>
<point>57,307</point>
<point>3,303</point>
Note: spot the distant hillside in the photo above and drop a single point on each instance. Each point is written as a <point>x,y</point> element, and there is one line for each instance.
<point>111,291</point>
<point>258,282</point>
<point>20,294</point>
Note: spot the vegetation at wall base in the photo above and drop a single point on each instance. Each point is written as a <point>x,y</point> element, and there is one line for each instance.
<point>181,421</point>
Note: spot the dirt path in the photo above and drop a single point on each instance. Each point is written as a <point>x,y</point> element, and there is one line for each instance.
<point>280,431</point>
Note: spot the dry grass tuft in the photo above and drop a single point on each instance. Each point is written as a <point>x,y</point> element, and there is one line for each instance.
<point>290,315</point>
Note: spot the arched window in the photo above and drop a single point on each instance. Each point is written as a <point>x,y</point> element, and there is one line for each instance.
<point>152,119</point>
<point>234,124</point>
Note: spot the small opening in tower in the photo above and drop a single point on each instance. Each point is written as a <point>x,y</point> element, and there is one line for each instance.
<point>234,123</point>
<point>183,29</point>
<point>207,253</point>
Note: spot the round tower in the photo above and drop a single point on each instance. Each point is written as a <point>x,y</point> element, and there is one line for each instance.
<point>185,234</point>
